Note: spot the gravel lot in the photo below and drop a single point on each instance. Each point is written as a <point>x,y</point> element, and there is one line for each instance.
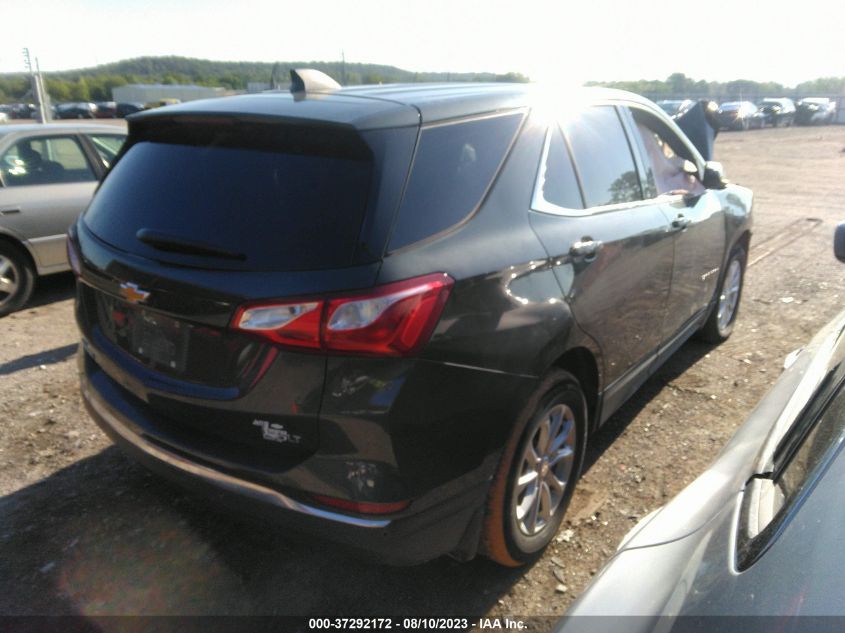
<point>85,531</point>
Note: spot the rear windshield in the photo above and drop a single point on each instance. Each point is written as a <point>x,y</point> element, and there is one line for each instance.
<point>275,210</point>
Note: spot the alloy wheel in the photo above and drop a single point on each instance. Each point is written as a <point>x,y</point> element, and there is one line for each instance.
<point>546,466</point>
<point>10,279</point>
<point>729,297</point>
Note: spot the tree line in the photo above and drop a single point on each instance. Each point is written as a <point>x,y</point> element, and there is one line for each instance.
<point>678,84</point>
<point>95,84</point>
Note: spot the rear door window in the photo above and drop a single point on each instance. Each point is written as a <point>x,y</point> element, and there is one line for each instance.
<point>603,157</point>
<point>45,161</point>
<point>272,210</point>
<point>453,167</point>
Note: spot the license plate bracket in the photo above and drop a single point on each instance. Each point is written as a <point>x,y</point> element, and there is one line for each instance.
<point>159,340</point>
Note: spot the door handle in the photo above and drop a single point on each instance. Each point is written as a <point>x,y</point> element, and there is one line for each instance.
<point>585,248</point>
<point>10,211</point>
<point>680,223</point>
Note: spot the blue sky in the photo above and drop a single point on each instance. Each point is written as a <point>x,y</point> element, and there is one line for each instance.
<point>567,42</point>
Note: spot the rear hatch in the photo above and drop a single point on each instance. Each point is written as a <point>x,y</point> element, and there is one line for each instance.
<point>204,213</point>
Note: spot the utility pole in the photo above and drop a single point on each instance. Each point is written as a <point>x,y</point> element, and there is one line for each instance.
<point>36,84</point>
<point>343,67</point>
<point>44,96</point>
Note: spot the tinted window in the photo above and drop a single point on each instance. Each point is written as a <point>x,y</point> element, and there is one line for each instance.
<point>603,156</point>
<point>452,169</point>
<point>45,161</point>
<point>281,211</point>
<point>560,186</point>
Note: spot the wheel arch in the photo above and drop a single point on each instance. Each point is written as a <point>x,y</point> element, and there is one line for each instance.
<point>581,362</point>
<point>8,238</point>
<point>744,240</point>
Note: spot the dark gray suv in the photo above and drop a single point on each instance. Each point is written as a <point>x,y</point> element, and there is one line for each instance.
<point>393,315</point>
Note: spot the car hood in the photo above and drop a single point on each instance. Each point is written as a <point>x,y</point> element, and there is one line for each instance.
<point>748,452</point>
<point>692,536</point>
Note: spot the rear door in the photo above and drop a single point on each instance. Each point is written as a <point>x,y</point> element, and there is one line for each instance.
<point>696,215</point>
<point>612,250</point>
<point>47,182</point>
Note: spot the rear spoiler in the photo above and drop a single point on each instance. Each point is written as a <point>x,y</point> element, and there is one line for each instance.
<point>700,126</point>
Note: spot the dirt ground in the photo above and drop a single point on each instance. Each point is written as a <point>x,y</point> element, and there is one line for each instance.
<point>85,531</point>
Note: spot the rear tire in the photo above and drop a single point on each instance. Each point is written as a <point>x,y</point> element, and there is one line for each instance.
<point>17,278</point>
<point>720,322</point>
<point>537,473</point>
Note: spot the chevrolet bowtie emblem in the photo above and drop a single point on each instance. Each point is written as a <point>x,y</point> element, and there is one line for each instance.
<point>132,293</point>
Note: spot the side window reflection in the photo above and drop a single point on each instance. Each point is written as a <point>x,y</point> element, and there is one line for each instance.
<point>603,156</point>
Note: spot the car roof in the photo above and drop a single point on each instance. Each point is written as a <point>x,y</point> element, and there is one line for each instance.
<point>49,128</point>
<point>390,105</point>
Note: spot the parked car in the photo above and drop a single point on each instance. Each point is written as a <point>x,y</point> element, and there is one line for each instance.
<point>4,116</point>
<point>366,313</point>
<point>23,110</point>
<point>759,533</point>
<point>48,173</point>
<point>739,115</point>
<point>674,107</point>
<point>777,112</point>
<point>79,110</point>
<point>813,110</point>
<point>106,110</point>
<point>123,110</point>
<point>159,103</point>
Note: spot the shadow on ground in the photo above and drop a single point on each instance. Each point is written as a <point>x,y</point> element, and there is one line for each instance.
<point>47,357</point>
<point>51,289</point>
<point>687,356</point>
<point>105,537</point>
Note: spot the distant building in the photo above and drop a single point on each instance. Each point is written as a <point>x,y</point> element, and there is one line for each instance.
<point>144,93</point>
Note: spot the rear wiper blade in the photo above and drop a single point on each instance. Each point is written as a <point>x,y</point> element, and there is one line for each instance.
<point>178,244</point>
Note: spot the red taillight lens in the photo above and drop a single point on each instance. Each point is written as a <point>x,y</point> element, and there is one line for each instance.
<point>394,320</point>
<point>287,323</point>
<point>363,507</point>
<point>73,257</point>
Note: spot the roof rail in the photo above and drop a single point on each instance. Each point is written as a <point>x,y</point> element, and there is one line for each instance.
<point>310,80</point>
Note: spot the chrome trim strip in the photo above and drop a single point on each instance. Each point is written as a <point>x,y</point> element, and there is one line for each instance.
<point>222,480</point>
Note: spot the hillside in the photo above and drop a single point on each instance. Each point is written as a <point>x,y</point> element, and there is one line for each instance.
<point>96,83</point>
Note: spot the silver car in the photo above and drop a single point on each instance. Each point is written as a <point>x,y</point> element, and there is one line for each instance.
<point>759,533</point>
<point>48,174</point>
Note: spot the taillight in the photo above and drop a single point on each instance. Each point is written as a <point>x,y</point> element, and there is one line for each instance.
<point>394,320</point>
<point>73,256</point>
<point>287,323</point>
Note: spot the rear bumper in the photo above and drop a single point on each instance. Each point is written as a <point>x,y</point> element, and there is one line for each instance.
<point>445,520</point>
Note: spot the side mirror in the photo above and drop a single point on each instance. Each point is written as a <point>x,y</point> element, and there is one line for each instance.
<point>839,242</point>
<point>714,175</point>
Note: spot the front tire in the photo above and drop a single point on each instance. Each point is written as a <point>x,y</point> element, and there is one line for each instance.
<point>537,473</point>
<point>17,278</point>
<point>720,322</point>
